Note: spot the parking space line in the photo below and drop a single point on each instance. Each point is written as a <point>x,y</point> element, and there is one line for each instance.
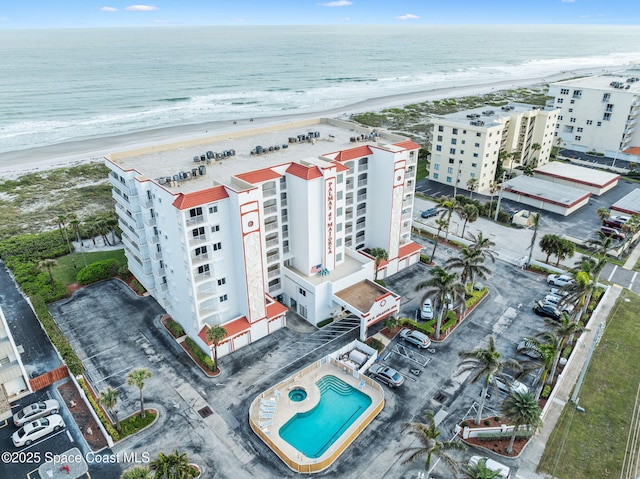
<point>114,374</point>
<point>102,352</point>
<point>615,267</point>
<point>31,472</point>
<point>4,423</point>
<point>633,278</point>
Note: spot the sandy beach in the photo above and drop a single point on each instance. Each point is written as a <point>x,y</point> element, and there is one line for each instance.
<point>17,163</point>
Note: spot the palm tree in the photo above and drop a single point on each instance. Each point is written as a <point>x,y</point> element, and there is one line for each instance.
<point>65,237</point>
<point>378,254</point>
<point>216,334</point>
<point>523,410</point>
<point>566,249</point>
<point>75,225</point>
<point>136,378</point>
<point>48,264</point>
<point>428,434</point>
<point>483,245</point>
<point>479,470</point>
<point>468,213</point>
<point>391,322</point>
<point>534,162</point>
<point>109,398</point>
<point>603,213</point>
<point>442,284</point>
<point>450,205</point>
<point>442,223</point>
<point>470,261</point>
<point>579,293</point>
<point>172,466</point>
<point>536,223</point>
<point>545,348</point>
<point>472,184</point>
<point>550,244</point>
<point>485,364</point>
<point>136,472</point>
<point>493,189</point>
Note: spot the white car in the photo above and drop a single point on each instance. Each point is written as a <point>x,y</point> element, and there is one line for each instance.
<point>556,302</point>
<point>35,411</point>
<point>416,338</point>
<point>505,472</point>
<point>559,280</point>
<point>511,384</point>
<point>34,430</point>
<point>426,312</point>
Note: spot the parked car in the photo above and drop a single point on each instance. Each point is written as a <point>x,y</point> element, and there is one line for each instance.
<point>34,430</point>
<point>547,310</point>
<point>612,232</point>
<point>429,213</point>
<point>558,292</point>
<point>560,280</point>
<point>532,353</point>
<point>505,472</point>
<point>556,301</point>
<point>416,338</point>
<point>36,411</point>
<point>508,384</point>
<point>426,312</point>
<point>387,375</point>
<point>615,221</point>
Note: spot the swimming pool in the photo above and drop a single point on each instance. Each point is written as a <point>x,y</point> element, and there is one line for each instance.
<point>314,432</point>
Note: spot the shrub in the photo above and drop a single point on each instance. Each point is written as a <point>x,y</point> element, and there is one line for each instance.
<point>135,284</point>
<point>427,328</point>
<point>487,422</point>
<point>463,424</point>
<point>474,297</point>
<point>107,268</point>
<point>135,423</point>
<point>546,392</point>
<point>381,283</point>
<point>425,259</point>
<point>540,269</point>
<point>567,352</point>
<point>203,357</point>
<point>376,344</point>
<point>324,322</point>
<point>174,327</point>
<point>106,422</point>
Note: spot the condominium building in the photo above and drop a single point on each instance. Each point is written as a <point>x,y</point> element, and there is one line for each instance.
<point>14,382</point>
<point>466,145</point>
<point>599,114</point>
<point>236,229</point>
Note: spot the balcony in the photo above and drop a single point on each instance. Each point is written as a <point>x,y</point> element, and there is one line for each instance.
<point>362,197</point>
<point>159,271</point>
<point>361,211</point>
<point>275,288</point>
<point>270,210</point>
<point>164,287</point>
<point>154,239</point>
<point>269,192</point>
<point>360,226</point>
<point>205,293</point>
<point>147,204</point>
<point>362,182</point>
<point>349,200</point>
<point>199,278</point>
<point>194,240</point>
<point>272,242</point>
<point>349,185</point>
<point>195,220</point>
<point>274,273</point>
<point>150,221</point>
<point>285,219</point>
<point>200,258</point>
<point>157,255</point>
<point>271,226</point>
<point>273,257</point>
<point>349,215</point>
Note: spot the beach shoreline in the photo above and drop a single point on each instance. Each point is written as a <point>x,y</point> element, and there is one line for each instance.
<point>17,163</point>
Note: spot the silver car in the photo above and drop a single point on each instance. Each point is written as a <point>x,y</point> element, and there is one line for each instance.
<point>35,411</point>
<point>387,375</point>
<point>34,430</point>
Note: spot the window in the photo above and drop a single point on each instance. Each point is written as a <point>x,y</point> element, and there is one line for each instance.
<point>438,147</point>
<point>223,298</point>
<point>572,102</point>
<point>217,246</point>
<point>339,211</point>
<point>609,107</point>
<point>580,129</point>
<point>607,116</point>
<point>222,281</point>
<point>572,120</point>
<point>339,227</point>
<point>340,178</point>
<point>606,97</point>
<point>462,152</point>
<point>560,100</point>
<point>475,155</point>
<point>589,122</point>
<point>200,251</point>
<point>452,151</point>
<point>477,145</point>
<point>578,138</point>
<point>440,128</point>
<point>197,231</point>
<point>478,133</point>
<point>451,161</point>
<point>193,212</point>
<point>203,269</point>
<point>564,91</point>
<point>339,195</point>
<point>435,176</point>
<point>339,257</point>
<point>599,123</point>
<point>213,209</point>
<point>302,292</point>
<point>439,137</point>
<point>449,170</point>
<point>4,360</point>
<point>449,179</point>
<point>454,141</point>
<point>570,110</point>
<point>473,175</point>
<point>474,165</point>
<point>455,131</point>
<point>559,117</point>
<point>436,166</point>
<point>215,229</point>
<point>577,93</point>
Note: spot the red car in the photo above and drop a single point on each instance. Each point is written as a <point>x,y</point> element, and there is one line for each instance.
<point>612,232</point>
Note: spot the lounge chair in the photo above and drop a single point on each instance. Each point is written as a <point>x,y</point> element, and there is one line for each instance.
<point>268,402</point>
<point>266,415</point>
<point>267,423</point>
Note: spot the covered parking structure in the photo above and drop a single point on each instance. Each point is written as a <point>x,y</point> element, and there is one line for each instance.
<point>594,181</point>
<point>629,204</point>
<point>545,195</point>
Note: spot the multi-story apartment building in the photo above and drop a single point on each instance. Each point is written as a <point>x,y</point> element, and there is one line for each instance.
<point>234,230</point>
<point>466,145</point>
<point>14,382</point>
<point>599,113</point>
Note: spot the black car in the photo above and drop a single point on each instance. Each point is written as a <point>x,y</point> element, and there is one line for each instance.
<point>547,310</point>
<point>429,213</point>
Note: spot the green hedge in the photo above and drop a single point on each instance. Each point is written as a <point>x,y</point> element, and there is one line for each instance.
<point>426,328</point>
<point>324,322</point>
<point>451,321</point>
<point>175,328</point>
<point>376,344</point>
<point>474,297</point>
<point>135,423</point>
<point>107,268</point>
<point>115,435</point>
<point>58,339</point>
<point>425,259</point>
<point>200,354</point>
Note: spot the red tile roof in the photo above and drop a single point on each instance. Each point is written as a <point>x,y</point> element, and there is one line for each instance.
<point>351,153</point>
<point>233,328</point>
<point>408,249</point>
<point>258,176</point>
<point>197,198</point>
<point>635,150</point>
<point>408,145</point>
<point>304,172</point>
<point>275,309</point>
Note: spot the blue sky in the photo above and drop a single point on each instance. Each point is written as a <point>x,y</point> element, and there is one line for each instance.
<point>115,13</point>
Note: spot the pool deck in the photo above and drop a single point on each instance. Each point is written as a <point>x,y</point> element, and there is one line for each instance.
<point>273,409</point>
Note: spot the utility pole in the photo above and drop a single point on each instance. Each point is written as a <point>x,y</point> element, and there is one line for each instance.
<point>585,366</point>
<point>495,218</point>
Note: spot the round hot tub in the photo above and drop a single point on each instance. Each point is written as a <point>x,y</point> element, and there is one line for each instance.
<point>297,394</point>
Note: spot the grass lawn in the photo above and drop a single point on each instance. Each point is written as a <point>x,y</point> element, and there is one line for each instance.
<point>590,445</point>
<point>66,274</point>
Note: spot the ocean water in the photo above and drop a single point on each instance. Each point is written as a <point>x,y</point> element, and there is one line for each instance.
<point>64,85</point>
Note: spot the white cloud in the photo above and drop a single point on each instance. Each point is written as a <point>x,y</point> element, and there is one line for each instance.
<point>337,3</point>
<point>408,16</point>
<point>568,1</point>
<point>141,8</point>
<point>239,20</point>
<point>108,9</point>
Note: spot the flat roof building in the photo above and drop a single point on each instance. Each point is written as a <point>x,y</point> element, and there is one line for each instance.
<point>544,195</point>
<point>14,382</point>
<point>588,179</point>
<point>466,145</point>
<point>236,229</point>
<point>628,204</point>
<point>599,113</point>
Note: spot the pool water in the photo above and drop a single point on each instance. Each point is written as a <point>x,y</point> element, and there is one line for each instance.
<point>297,395</point>
<point>313,432</point>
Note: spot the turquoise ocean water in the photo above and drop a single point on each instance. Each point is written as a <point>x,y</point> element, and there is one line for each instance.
<point>63,85</point>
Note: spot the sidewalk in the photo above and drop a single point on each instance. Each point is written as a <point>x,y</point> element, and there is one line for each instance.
<point>568,379</point>
<point>633,258</point>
